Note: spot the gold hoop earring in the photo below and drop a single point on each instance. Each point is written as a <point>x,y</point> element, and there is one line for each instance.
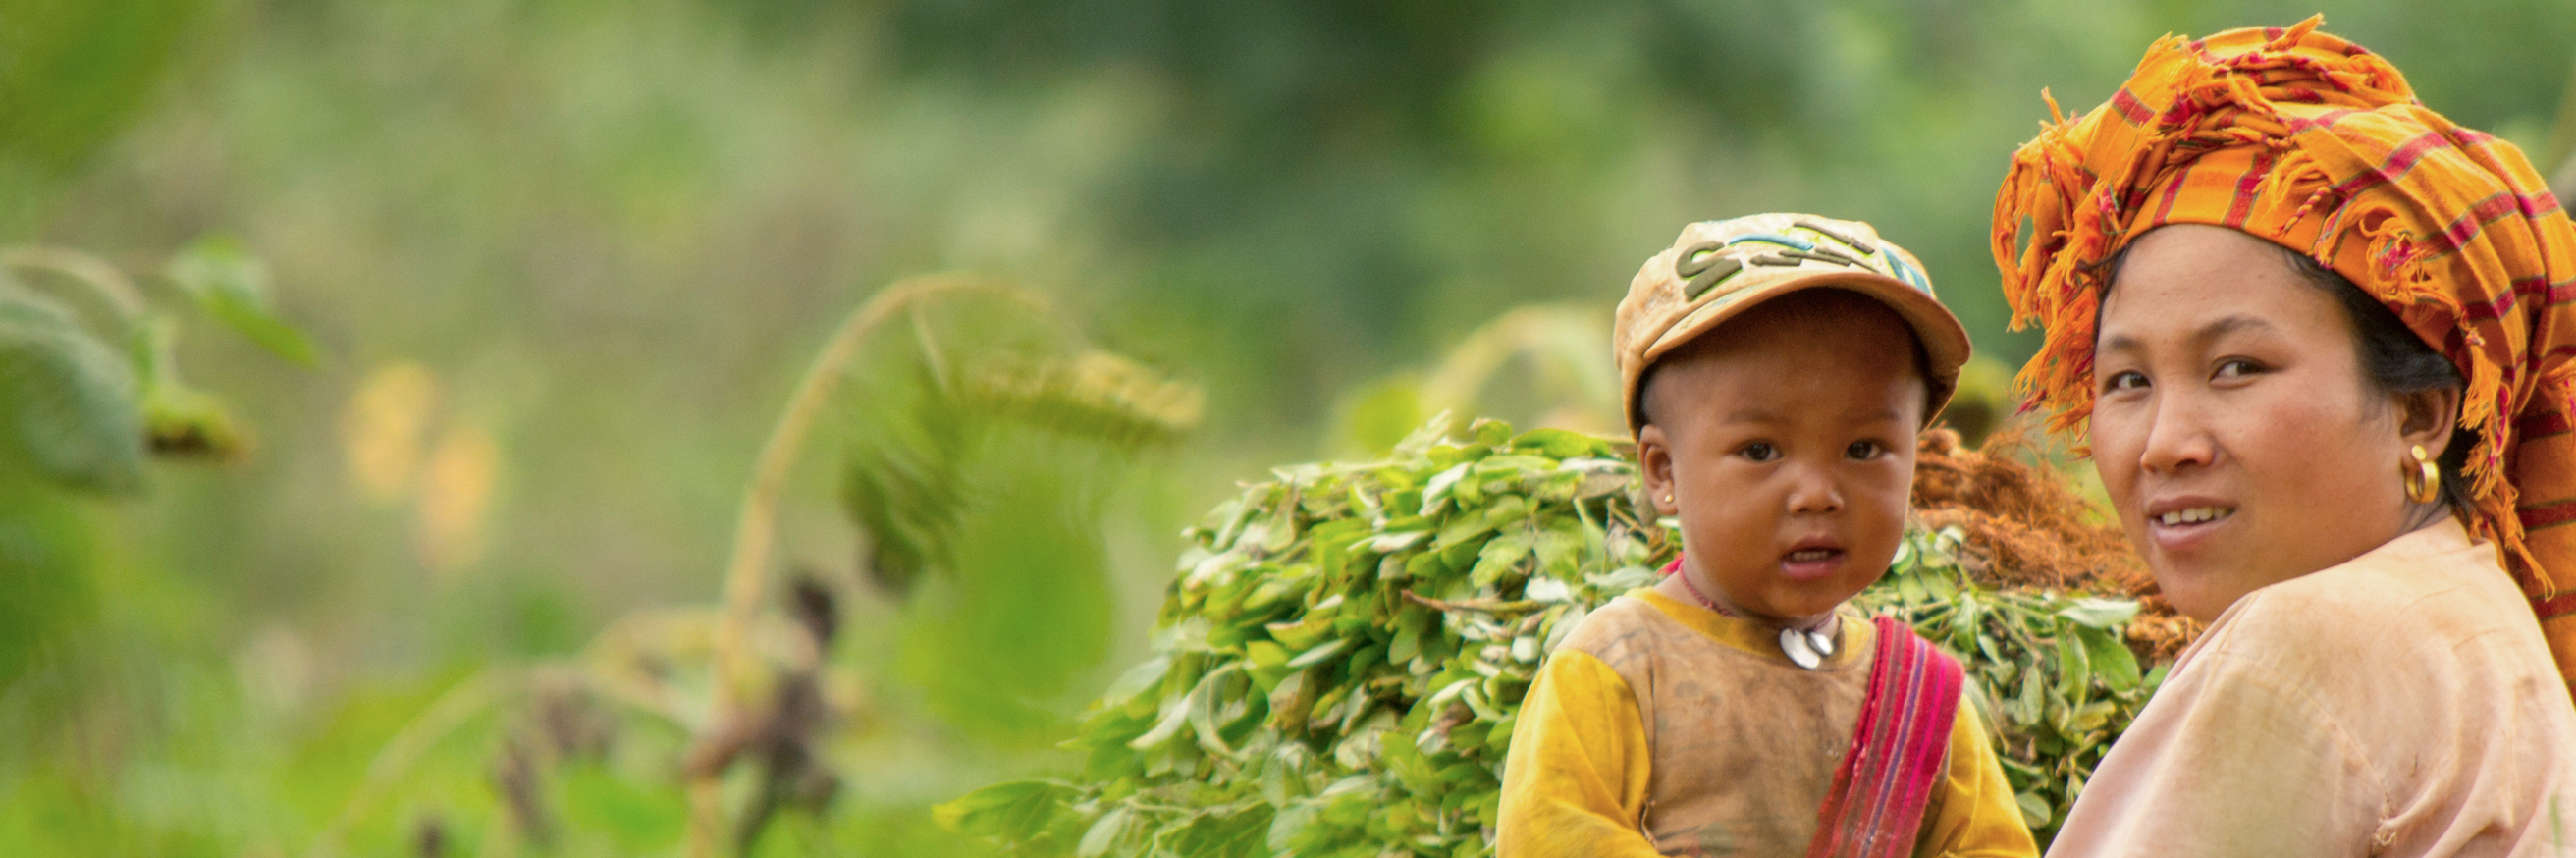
<point>2423,480</point>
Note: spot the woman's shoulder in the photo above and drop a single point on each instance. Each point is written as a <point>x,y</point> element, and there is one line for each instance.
<point>2426,592</point>
<point>2407,665</point>
<point>2400,645</point>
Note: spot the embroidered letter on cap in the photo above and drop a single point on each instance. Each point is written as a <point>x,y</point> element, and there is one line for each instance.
<point>1701,271</point>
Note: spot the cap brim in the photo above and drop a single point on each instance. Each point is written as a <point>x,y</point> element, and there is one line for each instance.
<point>1945,344</point>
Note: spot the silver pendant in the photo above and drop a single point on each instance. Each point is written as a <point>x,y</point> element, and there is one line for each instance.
<point>1800,647</point>
<point>1823,643</point>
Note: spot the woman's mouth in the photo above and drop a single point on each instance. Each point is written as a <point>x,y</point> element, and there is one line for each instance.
<point>2194,515</point>
<point>2185,525</point>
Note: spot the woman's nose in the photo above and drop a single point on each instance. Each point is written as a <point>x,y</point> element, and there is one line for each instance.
<point>2177,438</point>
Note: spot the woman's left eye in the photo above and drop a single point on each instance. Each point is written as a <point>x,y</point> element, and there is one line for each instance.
<point>1864,450</point>
<point>2236,368</point>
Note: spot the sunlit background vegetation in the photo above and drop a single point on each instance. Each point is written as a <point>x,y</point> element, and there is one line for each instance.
<point>487,311</point>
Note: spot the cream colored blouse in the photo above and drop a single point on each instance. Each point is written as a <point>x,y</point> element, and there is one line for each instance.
<point>2402,703</point>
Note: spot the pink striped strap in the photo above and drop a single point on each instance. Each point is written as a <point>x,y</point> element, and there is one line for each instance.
<point>1899,750</point>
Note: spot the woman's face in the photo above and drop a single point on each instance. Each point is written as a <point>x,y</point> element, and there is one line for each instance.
<point>2232,426</point>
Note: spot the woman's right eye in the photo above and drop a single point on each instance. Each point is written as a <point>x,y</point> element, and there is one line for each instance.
<point>1760,451</point>
<point>2124,380</point>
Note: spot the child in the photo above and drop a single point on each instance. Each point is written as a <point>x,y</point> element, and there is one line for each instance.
<point>1776,370</point>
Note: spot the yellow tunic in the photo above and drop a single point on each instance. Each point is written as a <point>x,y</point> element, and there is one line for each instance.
<point>1661,728</point>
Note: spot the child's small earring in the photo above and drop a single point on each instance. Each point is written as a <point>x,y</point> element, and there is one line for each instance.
<point>1668,497</point>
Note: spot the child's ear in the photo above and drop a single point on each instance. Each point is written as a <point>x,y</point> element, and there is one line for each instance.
<point>1655,469</point>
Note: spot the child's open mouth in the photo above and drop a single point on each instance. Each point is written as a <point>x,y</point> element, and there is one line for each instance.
<point>1806,564</point>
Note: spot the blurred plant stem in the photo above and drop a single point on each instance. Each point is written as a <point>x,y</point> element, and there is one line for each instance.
<point>108,284</point>
<point>755,531</point>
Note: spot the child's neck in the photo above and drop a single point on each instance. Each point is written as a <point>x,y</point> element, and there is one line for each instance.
<point>1686,586</point>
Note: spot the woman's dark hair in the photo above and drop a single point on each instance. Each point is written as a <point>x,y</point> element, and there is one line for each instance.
<point>2393,360</point>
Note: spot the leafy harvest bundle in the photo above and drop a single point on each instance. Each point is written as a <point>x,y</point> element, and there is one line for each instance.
<point>1340,659</point>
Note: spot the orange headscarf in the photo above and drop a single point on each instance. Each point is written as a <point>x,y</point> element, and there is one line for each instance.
<point>2313,143</point>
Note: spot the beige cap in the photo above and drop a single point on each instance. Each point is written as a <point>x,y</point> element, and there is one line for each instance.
<point>1717,269</point>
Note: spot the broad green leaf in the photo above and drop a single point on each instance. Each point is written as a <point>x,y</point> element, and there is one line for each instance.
<point>1015,809</point>
<point>1265,654</point>
<point>2111,660</point>
<point>1317,655</point>
<point>1560,444</point>
<point>1624,579</point>
<point>1557,552</point>
<point>2100,613</point>
<point>67,400</point>
<point>1435,494</point>
<point>1175,714</point>
<point>1501,555</point>
<point>1133,682</point>
<point>2034,809</point>
<point>2074,670</point>
<point>1104,833</point>
<point>1290,823</point>
<point>232,285</point>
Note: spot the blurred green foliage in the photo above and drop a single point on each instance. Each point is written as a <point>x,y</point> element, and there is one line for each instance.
<point>559,261</point>
<point>73,74</point>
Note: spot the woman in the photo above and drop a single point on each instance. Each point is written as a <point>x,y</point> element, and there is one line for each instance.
<point>2314,332</point>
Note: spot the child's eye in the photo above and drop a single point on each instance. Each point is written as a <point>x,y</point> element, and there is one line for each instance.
<point>1862,451</point>
<point>1761,451</point>
<point>2124,380</point>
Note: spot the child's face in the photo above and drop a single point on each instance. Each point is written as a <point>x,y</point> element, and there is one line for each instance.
<point>1786,447</point>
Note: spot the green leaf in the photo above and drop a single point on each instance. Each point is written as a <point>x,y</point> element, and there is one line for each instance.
<point>1206,718</point>
<point>2074,670</point>
<point>1558,551</point>
<point>67,400</point>
<point>1143,676</point>
<point>1513,466</point>
<point>1015,810</point>
<point>1317,655</point>
<point>1175,714</point>
<point>1560,444</point>
<point>1502,555</point>
<point>2112,661</point>
<point>2100,613</point>
<point>1290,823</point>
<point>2035,811</point>
<point>1265,654</point>
<point>1226,835</point>
<point>232,285</point>
<point>1104,833</point>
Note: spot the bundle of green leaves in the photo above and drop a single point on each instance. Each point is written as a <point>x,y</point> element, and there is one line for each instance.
<point>1340,660</point>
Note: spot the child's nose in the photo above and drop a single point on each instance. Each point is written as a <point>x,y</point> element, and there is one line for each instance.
<point>1814,492</point>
